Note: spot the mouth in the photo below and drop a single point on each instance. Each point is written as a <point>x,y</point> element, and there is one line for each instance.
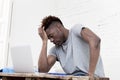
<point>57,43</point>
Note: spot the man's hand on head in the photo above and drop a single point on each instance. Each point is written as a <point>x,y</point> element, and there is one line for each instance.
<point>42,34</point>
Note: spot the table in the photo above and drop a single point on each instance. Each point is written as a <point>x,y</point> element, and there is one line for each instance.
<point>43,76</point>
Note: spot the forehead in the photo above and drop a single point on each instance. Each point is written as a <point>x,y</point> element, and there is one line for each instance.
<point>50,30</point>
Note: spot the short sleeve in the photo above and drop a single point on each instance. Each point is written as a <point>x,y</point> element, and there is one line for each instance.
<point>76,29</point>
<point>52,51</point>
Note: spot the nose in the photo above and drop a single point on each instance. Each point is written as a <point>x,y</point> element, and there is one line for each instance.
<point>51,39</point>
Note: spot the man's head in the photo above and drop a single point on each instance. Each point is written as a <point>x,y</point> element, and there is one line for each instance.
<point>54,29</point>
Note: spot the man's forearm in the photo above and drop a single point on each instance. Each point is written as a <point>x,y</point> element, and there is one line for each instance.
<point>94,55</point>
<point>43,62</point>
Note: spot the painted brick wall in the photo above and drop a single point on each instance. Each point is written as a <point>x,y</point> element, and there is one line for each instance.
<point>101,16</point>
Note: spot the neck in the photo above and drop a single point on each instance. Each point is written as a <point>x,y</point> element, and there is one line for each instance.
<point>66,33</point>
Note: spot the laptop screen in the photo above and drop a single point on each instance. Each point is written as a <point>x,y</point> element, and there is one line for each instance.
<point>22,58</point>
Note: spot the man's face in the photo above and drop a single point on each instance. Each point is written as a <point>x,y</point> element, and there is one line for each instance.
<point>55,35</point>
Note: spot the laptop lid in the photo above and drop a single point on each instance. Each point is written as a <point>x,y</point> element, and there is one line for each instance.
<point>22,58</point>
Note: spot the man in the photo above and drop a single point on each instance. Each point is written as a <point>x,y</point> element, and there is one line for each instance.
<point>77,49</point>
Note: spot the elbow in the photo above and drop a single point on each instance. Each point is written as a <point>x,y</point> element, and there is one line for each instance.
<point>38,69</point>
<point>98,41</point>
<point>42,69</point>
<point>95,43</point>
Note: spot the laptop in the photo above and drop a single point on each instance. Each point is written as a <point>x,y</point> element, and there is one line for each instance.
<point>22,59</point>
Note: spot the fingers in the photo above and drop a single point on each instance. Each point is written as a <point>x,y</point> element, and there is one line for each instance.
<point>40,30</point>
<point>42,33</point>
<point>43,28</point>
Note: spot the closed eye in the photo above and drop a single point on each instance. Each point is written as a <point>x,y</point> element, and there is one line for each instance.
<point>50,36</point>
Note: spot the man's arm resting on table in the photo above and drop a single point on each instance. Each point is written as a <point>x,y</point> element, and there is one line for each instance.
<point>94,44</point>
<point>44,62</point>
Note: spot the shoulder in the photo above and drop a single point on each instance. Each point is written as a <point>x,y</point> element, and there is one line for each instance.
<point>77,28</point>
<point>52,51</point>
<point>53,48</point>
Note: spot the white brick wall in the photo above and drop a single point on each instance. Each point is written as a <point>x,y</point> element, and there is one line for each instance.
<point>101,16</point>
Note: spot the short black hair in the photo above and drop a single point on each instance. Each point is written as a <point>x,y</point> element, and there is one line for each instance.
<point>47,21</point>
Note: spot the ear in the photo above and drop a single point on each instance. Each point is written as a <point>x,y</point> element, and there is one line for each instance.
<point>59,27</point>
